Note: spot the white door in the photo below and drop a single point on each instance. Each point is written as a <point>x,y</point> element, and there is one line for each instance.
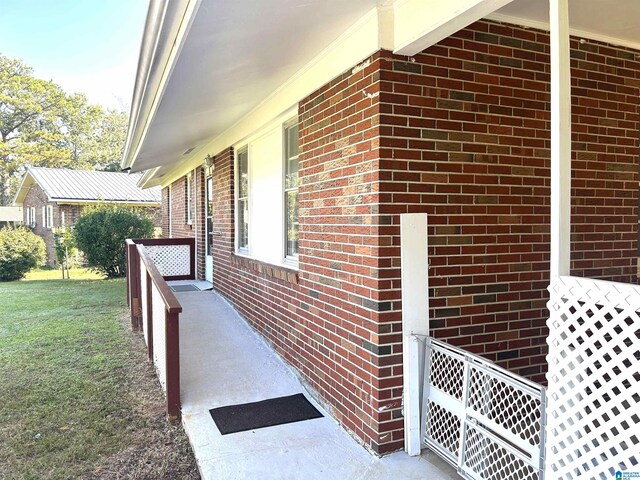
<point>208,261</point>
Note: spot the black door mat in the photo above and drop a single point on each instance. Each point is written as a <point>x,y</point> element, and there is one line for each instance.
<point>185,288</point>
<point>266,413</point>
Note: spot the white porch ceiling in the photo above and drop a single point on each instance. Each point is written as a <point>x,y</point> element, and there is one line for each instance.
<point>613,21</point>
<point>237,53</point>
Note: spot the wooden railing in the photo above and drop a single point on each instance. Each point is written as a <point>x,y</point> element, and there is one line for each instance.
<point>155,310</point>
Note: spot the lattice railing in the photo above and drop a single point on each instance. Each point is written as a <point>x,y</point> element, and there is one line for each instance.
<point>594,379</point>
<point>171,260</point>
<point>484,420</point>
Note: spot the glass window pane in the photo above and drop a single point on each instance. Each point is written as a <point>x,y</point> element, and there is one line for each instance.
<point>243,170</point>
<point>292,141</point>
<point>243,224</point>
<point>292,223</point>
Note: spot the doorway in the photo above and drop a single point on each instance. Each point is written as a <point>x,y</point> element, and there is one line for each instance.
<point>208,261</point>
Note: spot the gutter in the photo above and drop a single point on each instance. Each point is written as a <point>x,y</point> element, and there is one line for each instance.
<point>166,28</point>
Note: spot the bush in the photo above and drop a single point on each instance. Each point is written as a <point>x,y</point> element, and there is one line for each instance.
<point>20,251</point>
<point>101,231</point>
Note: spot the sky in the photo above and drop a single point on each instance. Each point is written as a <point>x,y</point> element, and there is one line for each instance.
<point>85,46</point>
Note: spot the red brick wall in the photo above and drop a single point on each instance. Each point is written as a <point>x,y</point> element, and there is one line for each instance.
<point>465,138</point>
<point>179,226</point>
<point>326,319</point>
<point>460,132</point>
<point>36,197</point>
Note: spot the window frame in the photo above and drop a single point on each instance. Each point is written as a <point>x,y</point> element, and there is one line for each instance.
<point>291,259</point>
<point>244,250</point>
<point>49,217</point>
<point>189,199</point>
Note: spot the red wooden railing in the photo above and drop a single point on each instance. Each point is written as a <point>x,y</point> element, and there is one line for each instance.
<point>155,311</point>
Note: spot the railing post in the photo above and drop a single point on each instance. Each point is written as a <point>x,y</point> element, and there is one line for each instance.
<point>172,358</point>
<point>133,266</point>
<point>149,301</point>
<point>192,259</point>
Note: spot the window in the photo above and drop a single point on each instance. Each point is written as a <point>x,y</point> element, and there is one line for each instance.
<point>291,190</point>
<point>62,220</point>
<point>266,193</point>
<point>31,216</point>
<point>188,200</point>
<point>242,205</point>
<point>47,216</point>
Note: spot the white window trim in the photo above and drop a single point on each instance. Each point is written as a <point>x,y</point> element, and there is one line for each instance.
<point>33,216</point>
<point>189,199</point>
<point>280,121</point>
<point>244,251</point>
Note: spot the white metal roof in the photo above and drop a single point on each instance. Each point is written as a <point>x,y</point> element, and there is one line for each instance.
<point>66,185</point>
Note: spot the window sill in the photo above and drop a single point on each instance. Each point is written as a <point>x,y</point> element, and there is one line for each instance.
<point>287,273</point>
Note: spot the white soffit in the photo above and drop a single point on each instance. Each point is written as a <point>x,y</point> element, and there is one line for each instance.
<point>611,21</point>
<point>234,56</point>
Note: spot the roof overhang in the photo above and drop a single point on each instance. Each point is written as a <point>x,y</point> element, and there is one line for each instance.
<point>211,72</point>
<point>23,189</point>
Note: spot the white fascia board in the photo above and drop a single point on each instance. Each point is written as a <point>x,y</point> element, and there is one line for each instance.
<point>419,24</point>
<point>148,180</point>
<point>25,183</point>
<point>357,43</point>
<point>67,201</point>
<point>151,82</point>
<point>574,32</point>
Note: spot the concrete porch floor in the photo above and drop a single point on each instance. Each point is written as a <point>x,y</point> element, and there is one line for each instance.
<point>224,362</point>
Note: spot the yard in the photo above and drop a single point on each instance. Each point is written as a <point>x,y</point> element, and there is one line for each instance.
<point>78,398</point>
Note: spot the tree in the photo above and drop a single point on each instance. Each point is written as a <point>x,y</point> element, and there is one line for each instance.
<point>65,245</point>
<point>31,130</point>
<point>41,125</point>
<point>95,137</point>
<point>101,231</point>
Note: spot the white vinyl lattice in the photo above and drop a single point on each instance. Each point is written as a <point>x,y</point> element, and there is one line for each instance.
<point>486,421</point>
<point>594,379</point>
<point>171,260</point>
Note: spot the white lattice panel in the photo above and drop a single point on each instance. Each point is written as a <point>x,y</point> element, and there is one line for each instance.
<point>594,379</point>
<point>171,260</point>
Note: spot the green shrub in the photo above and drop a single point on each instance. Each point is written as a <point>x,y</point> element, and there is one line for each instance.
<point>20,251</point>
<point>101,231</point>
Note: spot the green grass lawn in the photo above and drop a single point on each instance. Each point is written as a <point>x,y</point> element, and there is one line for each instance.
<point>56,274</point>
<point>77,397</point>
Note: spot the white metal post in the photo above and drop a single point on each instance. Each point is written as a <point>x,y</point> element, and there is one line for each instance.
<point>415,320</point>
<point>560,138</point>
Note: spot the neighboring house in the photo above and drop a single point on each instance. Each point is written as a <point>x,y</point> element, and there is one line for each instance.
<point>55,197</point>
<point>10,216</point>
<point>288,141</point>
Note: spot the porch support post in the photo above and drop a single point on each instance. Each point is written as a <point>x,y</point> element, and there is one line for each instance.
<point>415,320</point>
<point>560,138</point>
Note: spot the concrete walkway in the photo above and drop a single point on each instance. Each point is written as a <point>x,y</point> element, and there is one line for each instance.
<point>224,362</point>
